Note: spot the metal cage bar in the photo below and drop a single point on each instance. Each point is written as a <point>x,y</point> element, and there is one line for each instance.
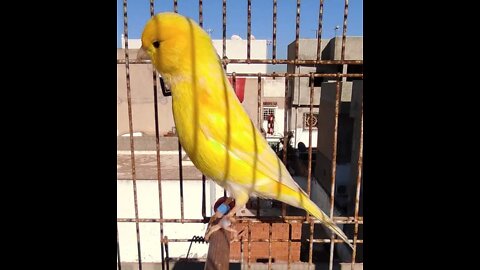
<point>356,220</point>
<point>274,38</point>
<point>130,129</point>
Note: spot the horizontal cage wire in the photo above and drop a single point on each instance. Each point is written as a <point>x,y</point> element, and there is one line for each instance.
<point>308,106</point>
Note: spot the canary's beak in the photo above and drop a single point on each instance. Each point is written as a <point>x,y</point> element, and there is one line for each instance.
<point>142,54</point>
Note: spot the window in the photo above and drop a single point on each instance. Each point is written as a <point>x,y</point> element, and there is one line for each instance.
<point>267,111</point>
<point>307,121</point>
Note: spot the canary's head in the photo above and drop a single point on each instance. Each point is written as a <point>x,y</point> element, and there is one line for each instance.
<point>168,40</point>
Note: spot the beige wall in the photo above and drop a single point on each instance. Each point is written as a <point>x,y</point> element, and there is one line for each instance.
<point>326,120</point>
<point>141,84</point>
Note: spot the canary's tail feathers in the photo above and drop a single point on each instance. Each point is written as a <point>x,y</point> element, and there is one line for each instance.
<point>315,211</point>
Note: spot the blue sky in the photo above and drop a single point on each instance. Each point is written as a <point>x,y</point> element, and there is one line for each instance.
<point>139,12</point>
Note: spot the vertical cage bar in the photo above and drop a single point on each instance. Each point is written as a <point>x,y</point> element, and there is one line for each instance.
<point>344,34</point>
<point>157,147</point>
<point>259,100</point>
<point>175,6</point>
<point>334,165</point>
<point>269,246</point>
<point>357,194</point>
<point>234,85</point>
<point>310,245</point>
<point>249,247</point>
<point>289,263</point>
<point>285,136</point>
<point>309,169</point>
<point>200,13</point>
<point>297,31</point>
<point>180,166</point>
<point>118,252</point>
<point>249,28</point>
<point>224,32</point>
<point>319,32</point>
<point>204,195</point>
<point>167,258</point>
<point>204,205</point>
<point>130,129</point>
<point>274,41</point>
<point>310,129</point>
<point>260,120</point>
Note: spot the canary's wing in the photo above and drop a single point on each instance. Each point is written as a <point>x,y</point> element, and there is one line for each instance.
<point>227,126</point>
<point>254,166</point>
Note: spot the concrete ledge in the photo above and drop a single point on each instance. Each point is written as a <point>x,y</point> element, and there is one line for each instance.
<point>143,143</point>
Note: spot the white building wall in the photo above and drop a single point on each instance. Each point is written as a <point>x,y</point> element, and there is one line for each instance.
<point>237,49</point>
<point>148,207</point>
<point>301,135</point>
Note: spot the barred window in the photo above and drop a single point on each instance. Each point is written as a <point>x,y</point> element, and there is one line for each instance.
<point>307,121</point>
<point>267,112</point>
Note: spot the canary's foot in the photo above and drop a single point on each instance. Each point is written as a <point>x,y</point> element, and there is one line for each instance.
<point>219,219</point>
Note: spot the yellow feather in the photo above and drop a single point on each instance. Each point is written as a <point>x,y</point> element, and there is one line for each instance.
<point>211,123</point>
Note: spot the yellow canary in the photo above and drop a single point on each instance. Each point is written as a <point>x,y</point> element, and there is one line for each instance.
<point>212,125</point>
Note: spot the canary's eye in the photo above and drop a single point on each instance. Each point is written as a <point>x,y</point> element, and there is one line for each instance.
<point>156,44</point>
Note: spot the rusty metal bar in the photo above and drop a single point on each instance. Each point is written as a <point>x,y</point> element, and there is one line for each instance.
<point>175,6</point>
<point>310,245</point>
<point>259,120</point>
<point>357,194</point>
<point>200,13</point>
<point>184,240</point>
<point>310,115</point>
<point>180,168</point>
<point>297,32</point>
<point>269,246</point>
<point>289,245</point>
<point>204,195</point>
<point>249,28</point>
<point>304,106</point>
<point>285,136</point>
<point>163,220</point>
<point>204,205</point>
<point>274,41</point>
<point>130,129</point>
<point>334,166</point>
<point>338,220</point>
<point>319,32</point>
<point>338,241</point>
<point>249,247</point>
<point>309,169</point>
<point>157,146</point>
<point>324,240</point>
<point>224,33</point>
<point>167,257</point>
<point>118,252</point>
<point>305,62</point>
<point>259,101</point>
<point>315,240</point>
<point>296,75</point>
<point>344,34</point>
